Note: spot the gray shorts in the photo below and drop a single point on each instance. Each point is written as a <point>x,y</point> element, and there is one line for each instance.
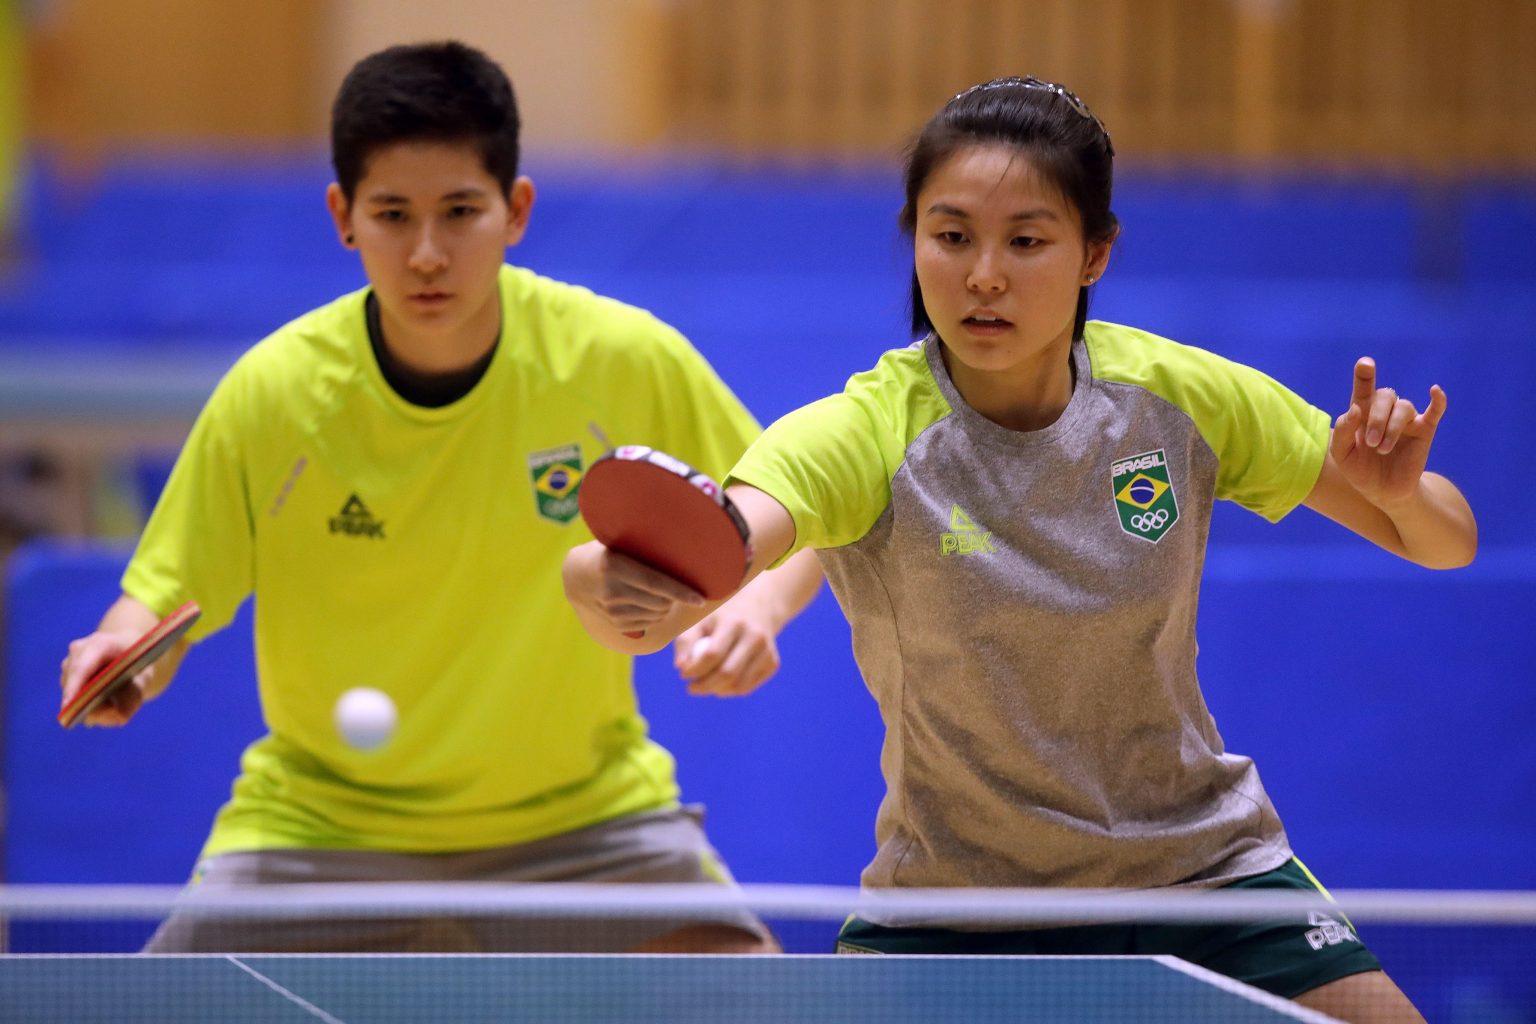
<point>656,846</point>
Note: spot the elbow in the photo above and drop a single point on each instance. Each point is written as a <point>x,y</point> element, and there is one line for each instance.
<point>1468,551</point>
<point>1462,558</point>
<point>1457,556</point>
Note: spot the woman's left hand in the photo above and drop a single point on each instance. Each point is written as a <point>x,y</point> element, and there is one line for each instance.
<point>1381,443</point>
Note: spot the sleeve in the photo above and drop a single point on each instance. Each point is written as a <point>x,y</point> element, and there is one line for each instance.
<point>1271,442</point>
<point>825,465</point>
<point>699,419</point>
<point>198,544</point>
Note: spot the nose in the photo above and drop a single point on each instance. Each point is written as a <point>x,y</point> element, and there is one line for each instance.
<point>427,256</point>
<point>986,276</point>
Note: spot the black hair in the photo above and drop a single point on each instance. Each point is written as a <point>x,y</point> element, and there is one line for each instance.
<point>424,92</point>
<point>1065,143</point>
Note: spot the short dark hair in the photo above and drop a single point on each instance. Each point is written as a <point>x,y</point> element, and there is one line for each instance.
<point>424,92</point>
<point>1063,139</point>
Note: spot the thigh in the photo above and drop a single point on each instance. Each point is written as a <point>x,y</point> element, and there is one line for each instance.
<point>666,846</point>
<point>192,929</point>
<point>1284,956</point>
<point>1371,997</point>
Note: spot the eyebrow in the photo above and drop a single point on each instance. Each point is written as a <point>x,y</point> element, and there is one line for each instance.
<point>954,211</point>
<point>389,198</point>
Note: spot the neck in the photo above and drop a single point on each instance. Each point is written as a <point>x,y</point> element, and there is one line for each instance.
<point>1029,396</point>
<point>434,354</point>
<point>430,387</point>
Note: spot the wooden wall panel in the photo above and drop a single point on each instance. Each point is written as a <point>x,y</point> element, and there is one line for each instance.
<point>1437,85</point>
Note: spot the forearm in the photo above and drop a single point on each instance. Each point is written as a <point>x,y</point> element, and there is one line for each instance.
<point>1434,527</point>
<point>772,598</point>
<point>128,615</point>
<point>783,593</point>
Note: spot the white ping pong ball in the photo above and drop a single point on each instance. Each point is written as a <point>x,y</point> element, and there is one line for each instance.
<point>366,717</point>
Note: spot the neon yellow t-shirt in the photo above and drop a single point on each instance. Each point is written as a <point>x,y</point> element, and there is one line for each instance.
<point>418,550</point>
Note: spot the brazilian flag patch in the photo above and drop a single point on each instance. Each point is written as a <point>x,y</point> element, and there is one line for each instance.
<point>556,475</point>
<point>1144,495</point>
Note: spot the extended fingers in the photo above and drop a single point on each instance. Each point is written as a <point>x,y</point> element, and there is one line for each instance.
<point>1392,418</point>
<point>1437,404</point>
<point>1379,413</point>
<point>1365,381</point>
<point>1399,418</point>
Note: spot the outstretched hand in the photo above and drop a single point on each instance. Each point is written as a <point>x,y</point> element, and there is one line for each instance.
<point>1381,443</point>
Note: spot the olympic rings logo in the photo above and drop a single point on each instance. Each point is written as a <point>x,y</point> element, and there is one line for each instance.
<point>1146,522</point>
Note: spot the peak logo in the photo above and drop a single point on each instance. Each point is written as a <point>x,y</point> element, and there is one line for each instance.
<point>964,536</point>
<point>355,520</point>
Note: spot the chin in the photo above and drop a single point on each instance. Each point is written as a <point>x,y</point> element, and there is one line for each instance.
<point>984,354</point>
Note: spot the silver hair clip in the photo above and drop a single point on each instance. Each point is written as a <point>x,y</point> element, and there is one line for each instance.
<point>1031,82</point>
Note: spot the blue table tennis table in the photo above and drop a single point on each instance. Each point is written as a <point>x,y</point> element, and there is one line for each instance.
<point>388,988</point>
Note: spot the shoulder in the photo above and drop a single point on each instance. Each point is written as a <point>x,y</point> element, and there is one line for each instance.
<point>1129,355</point>
<point>581,317</point>
<point>330,332</point>
<point>315,353</point>
<point>879,409</point>
<point>1196,380</point>
<point>898,392</point>
<point>566,333</point>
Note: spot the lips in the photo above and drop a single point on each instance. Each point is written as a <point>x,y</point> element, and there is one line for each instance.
<point>985,324</point>
<point>986,318</point>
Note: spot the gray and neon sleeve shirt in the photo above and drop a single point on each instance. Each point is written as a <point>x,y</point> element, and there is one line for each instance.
<point>1023,608</point>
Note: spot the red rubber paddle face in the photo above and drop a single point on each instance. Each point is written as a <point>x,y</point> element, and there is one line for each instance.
<point>121,669</point>
<point>660,511</point>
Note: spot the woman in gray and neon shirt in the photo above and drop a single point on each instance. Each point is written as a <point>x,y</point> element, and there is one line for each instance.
<point>1013,513</point>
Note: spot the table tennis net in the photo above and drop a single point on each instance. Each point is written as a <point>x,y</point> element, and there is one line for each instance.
<point>482,952</point>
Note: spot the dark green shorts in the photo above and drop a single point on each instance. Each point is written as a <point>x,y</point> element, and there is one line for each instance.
<point>1285,958</point>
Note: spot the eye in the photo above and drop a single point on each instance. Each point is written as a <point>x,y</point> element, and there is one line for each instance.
<point>1025,242</point>
<point>390,215</point>
<point>462,210</point>
<point>950,237</point>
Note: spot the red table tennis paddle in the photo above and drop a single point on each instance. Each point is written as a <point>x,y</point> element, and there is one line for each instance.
<point>661,511</point>
<point>121,669</point>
